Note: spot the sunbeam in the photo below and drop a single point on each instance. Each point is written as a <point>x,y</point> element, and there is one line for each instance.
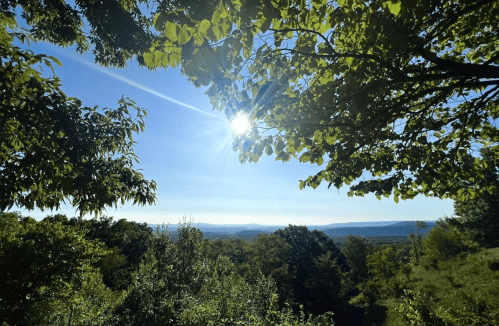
<point>139,86</point>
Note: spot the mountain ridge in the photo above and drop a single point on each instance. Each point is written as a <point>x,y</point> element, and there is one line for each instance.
<point>333,229</point>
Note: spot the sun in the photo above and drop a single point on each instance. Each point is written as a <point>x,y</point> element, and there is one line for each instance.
<point>240,125</point>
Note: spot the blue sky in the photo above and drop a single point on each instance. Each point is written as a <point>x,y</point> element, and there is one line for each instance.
<point>186,149</point>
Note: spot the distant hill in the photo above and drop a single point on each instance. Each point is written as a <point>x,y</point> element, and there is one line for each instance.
<point>397,229</point>
<point>252,232</point>
<point>412,223</point>
<point>375,228</point>
<point>353,225</point>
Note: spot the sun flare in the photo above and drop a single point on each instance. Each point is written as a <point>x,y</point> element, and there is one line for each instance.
<point>240,125</point>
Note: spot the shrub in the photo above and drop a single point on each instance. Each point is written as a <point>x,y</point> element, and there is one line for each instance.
<point>418,309</point>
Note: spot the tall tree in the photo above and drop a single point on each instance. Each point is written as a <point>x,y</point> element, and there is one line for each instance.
<point>417,240</point>
<point>51,148</point>
<point>118,29</point>
<point>325,284</point>
<point>383,266</point>
<point>115,30</point>
<point>312,254</point>
<point>356,249</point>
<point>397,90</point>
<point>401,91</point>
<point>478,219</point>
<point>268,255</point>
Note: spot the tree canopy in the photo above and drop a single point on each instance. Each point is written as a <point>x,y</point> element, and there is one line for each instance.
<point>51,148</point>
<point>388,97</point>
<point>314,267</point>
<point>47,275</point>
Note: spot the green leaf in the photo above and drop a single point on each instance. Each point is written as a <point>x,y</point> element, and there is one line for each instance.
<point>55,60</point>
<point>171,31</point>
<point>265,25</point>
<point>216,32</point>
<point>393,7</point>
<point>215,19</point>
<point>198,38</point>
<point>175,59</point>
<point>158,58</point>
<point>223,11</point>
<point>183,36</point>
<point>276,23</point>
<point>149,59</point>
<point>165,61</point>
<point>279,146</point>
<point>159,21</point>
<point>204,25</point>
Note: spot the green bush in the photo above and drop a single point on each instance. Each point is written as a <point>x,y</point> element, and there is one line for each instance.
<point>420,309</point>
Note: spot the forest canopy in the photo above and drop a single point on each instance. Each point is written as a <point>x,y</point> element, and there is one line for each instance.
<point>72,271</point>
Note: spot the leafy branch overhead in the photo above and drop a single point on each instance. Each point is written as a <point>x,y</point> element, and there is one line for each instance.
<point>52,149</point>
<point>389,97</point>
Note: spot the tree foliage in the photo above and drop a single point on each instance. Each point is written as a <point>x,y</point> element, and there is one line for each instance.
<point>312,256</point>
<point>383,267</point>
<point>177,285</point>
<point>268,256</point>
<point>478,218</point>
<point>51,148</point>
<point>47,277</point>
<point>126,242</point>
<point>356,249</point>
<point>118,29</point>
<point>398,91</point>
<point>420,309</point>
<point>441,243</point>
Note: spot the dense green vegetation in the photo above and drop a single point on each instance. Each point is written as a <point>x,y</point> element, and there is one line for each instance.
<point>62,271</point>
<point>52,149</point>
<point>404,90</point>
<point>69,271</point>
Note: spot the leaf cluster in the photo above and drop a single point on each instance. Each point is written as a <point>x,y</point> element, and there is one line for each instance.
<point>53,149</point>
